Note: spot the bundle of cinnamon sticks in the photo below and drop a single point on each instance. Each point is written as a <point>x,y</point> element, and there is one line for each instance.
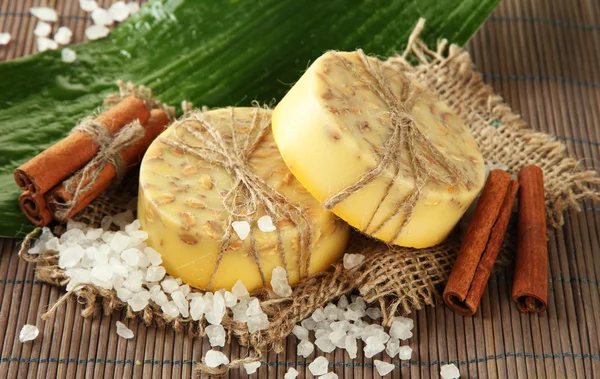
<point>484,237</point>
<point>63,179</point>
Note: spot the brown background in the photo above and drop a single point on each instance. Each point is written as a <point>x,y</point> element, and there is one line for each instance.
<point>543,57</point>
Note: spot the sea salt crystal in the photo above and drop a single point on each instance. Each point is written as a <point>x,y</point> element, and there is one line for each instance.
<point>351,347</point>
<point>92,234</point>
<point>63,35</point>
<point>134,281</point>
<point>216,335</point>
<point>318,315</point>
<point>383,368</point>
<point>133,7</point>
<point>159,297</point>
<point>254,308</point>
<point>119,11</point>
<point>71,256</point>
<point>214,358</point>
<point>131,256</point>
<point>352,315</point>
<point>279,282</point>
<point>239,290</point>
<point>170,309</point>
<point>169,285</point>
<point>305,348</point>
<point>329,375</point>
<point>155,273</point>
<point>44,44</point>
<point>409,322</point>
<point>77,276</point>
<point>258,322</point>
<point>44,14</point>
<point>322,332</point>
<point>393,347</point>
<point>401,330</point>
<point>153,256</point>
<point>119,242</point>
<point>265,224</point>
<point>309,323</point>
<point>139,301</point>
<point>331,312</point>
<point>338,337</point>
<point>123,219</point>
<point>352,260</point>
<point>319,366</point>
<point>179,281</point>
<point>239,311</point>
<point>124,331</point>
<point>101,17</point>
<point>88,5</point>
<point>357,329</point>
<point>405,353</point>
<point>124,294</point>
<point>450,371</point>
<point>324,344</point>
<point>230,299</point>
<point>215,314</point>
<point>241,228</point>
<point>251,367</point>
<point>28,333</point>
<point>95,32</point>
<point>182,304</point>
<point>4,39</point>
<point>300,332</point>
<point>291,373</point>
<point>343,302</point>
<point>374,313</point>
<point>197,308</point>
<point>42,29</point>
<point>373,346</point>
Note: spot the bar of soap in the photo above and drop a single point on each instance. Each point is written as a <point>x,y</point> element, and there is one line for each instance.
<point>332,129</point>
<point>181,205</point>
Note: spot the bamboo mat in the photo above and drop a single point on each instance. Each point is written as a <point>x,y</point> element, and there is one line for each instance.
<point>543,57</point>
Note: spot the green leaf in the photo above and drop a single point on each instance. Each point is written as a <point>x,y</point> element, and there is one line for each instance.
<point>209,52</point>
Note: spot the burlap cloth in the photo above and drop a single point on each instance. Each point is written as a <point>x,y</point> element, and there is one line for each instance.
<point>399,279</point>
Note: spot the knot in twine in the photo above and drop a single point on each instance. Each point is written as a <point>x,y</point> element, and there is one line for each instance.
<point>249,192</point>
<point>109,151</point>
<point>405,137</point>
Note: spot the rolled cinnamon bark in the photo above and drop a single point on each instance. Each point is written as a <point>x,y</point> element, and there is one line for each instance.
<point>481,244</point>
<point>62,159</point>
<point>530,286</point>
<point>34,208</point>
<point>132,155</point>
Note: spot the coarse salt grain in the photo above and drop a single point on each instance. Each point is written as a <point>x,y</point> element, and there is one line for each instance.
<point>239,290</point>
<point>123,331</point>
<point>133,7</point>
<point>92,33</point>
<point>405,353</point>
<point>291,373</point>
<point>241,228</point>
<point>88,5</point>
<point>28,333</point>
<point>101,17</point>
<point>215,358</point>
<point>44,44</point>
<point>319,366</point>
<point>44,14</point>
<point>265,224</point>
<point>216,335</point>
<point>450,371</point>
<point>305,348</point>
<point>63,35</point>
<point>279,282</point>
<point>119,11</point>
<point>4,39</point>
<point>42,29</point>
<point>251,367</point>
<point>352,260</point>
<point>329,375</point>
<point>383,368</point>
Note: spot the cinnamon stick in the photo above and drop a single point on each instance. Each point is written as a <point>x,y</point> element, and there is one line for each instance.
<point>34,208</point>
<point>481,244</point>
<point>62,159</point>
<point>131,156</point>
<point>530,286</point>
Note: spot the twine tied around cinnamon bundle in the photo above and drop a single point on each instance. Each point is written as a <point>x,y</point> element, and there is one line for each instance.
<point>405,137</point>
<point>249,192</point>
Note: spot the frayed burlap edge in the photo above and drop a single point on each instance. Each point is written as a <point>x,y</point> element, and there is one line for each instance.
<point>399,279</point>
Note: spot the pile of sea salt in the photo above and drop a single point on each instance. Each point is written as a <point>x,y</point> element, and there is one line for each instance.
<point>121,261</point>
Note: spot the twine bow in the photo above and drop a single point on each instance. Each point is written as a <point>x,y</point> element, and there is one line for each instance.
<point>249,192</point>
<point>405,137</point>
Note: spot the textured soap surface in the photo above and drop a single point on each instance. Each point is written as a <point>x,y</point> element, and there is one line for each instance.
<point>181,206</point>
<point>334,126</point>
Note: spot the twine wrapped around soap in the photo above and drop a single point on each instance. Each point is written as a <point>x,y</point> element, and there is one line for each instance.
<point>249,192</point>
<point>405,137</point>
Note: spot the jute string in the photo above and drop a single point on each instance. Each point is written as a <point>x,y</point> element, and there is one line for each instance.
<point>399,279</point>
<point>405,137</point>
<point>249,192</point>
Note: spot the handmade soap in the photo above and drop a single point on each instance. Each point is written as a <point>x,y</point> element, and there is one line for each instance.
<point>204,185</point>
<point>378,149</point>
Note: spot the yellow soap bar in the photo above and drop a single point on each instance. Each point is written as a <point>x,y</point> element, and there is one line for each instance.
<point>385,154</point>
<point>194,175</point>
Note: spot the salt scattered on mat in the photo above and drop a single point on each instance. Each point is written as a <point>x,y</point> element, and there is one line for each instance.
<point>265,224</point>
<point>4,38</point>
<point>352,260</point>
<point>239,290</point>
<point>393,347</point>
<point>63,35</point>
<point>305,348</point>
<point>251,367</point>
<point>119,11</point>
<point>44,14</point>
<point>44,44</point>
<point>214,358</point>
<point>383,368</point>
<point>216,335</point>
<point>124,331</point>
<point>279,282</point>
<point>241,228</point>
<point>329,375</point>
<point>101,17</point>
<point>28,333</point>
<point>450,371</point>
<point>42,29</point>
<point>405,353</point>
<point>133,7</point>
<point>319,366</point>
<point>300,332</point>
<point>291,373</point>
<point>88,5</point>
